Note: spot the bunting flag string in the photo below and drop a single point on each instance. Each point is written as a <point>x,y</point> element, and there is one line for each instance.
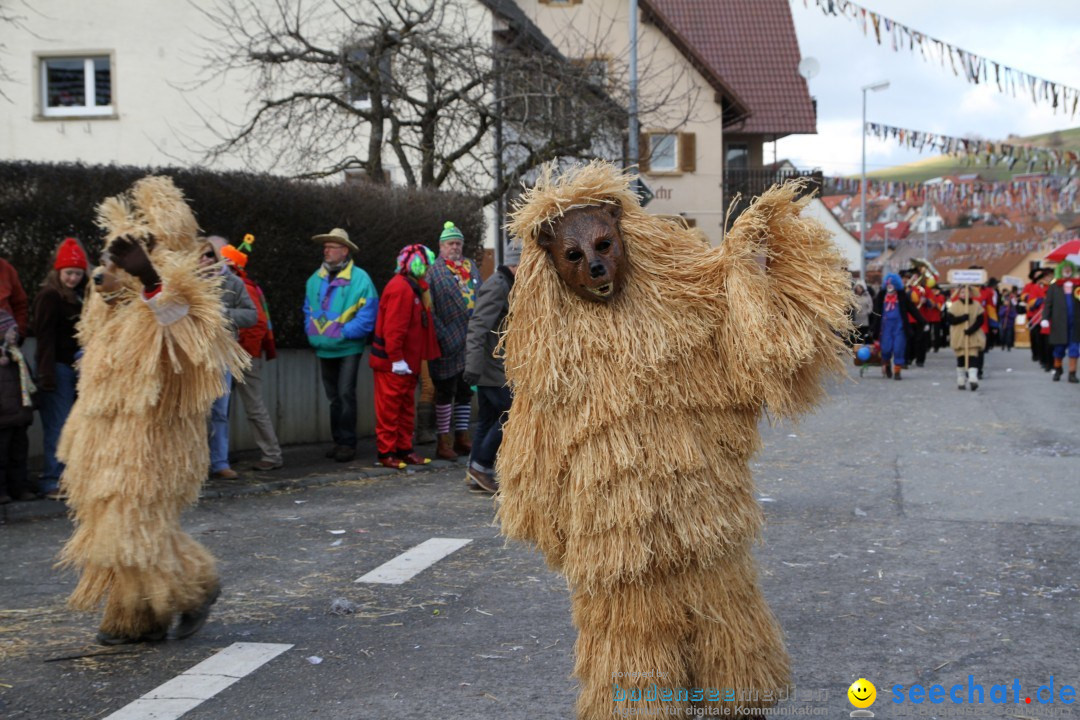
<point>1040,195</point>
<point>981,152</point>
<point>975,69</point>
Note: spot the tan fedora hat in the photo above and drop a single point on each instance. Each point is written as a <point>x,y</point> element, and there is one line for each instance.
<point>337,235</point>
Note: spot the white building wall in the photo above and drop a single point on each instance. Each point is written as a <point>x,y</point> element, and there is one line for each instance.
<point>847,244</point>
<point>161,98</point>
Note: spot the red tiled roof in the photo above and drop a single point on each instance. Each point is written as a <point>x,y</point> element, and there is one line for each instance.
<point>750,47</point>
<point>898,232</point>
<point>831,201</point>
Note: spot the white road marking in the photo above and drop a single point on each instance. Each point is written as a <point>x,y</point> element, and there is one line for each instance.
<point>414,561</point>
<point>202,682</point>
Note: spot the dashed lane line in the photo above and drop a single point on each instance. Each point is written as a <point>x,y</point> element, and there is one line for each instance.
<point>414,561</point>
<point>202,682</point>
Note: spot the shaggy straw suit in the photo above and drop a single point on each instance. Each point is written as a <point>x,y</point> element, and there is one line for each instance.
<point>625,456</point>
<point>136,444</point>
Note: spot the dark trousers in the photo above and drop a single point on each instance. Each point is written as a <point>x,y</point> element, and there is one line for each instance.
<point>975,361</point>
<point>14,447</point>
<point>339,381</point>
<point>494,403</point>
<point>920,343</point>
<point>1041,351</point>
<point>939,335</point>
<point>452,390</point>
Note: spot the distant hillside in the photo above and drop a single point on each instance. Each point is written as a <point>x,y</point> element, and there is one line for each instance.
<point>939,165</point>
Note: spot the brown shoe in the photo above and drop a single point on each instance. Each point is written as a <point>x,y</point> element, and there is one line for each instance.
<point>391,462</point>
<point>462,442</point>
<point>344,454</point>
<point>487,482</point>
<point>225,474</point>
<point>266,466</point>
<point>445,448</point>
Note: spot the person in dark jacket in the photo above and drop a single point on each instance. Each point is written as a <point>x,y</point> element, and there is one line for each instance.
<point>56,310</point>
<point>16,414</point>
<point>1062,314</point>
<point>484,369</point>
<point>891,308</point>
<point>240,311</point>
<point>453,281</point>
<point>404,337</point>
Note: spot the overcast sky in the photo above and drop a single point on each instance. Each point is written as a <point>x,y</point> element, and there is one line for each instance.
<point>1040,37</point>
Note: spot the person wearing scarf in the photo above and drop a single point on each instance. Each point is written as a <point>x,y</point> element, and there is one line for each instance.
<point>16,414</point>
<point>454,280</point>
<point>404,337</point>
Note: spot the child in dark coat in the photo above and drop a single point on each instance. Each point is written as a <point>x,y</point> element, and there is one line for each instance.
<point>16,414</point>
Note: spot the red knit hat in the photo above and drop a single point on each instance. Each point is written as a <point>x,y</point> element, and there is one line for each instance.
<point>70,255</point>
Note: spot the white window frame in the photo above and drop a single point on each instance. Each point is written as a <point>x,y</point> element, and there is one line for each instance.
<point>351,81</point>
<point>653,167</point>
<point>89,87</point>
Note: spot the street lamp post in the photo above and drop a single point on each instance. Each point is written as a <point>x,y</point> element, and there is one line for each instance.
<point>632,141</point>
<point>862,195</point>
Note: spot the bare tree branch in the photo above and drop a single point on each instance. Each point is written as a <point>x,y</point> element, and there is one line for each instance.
<point>416,87</point>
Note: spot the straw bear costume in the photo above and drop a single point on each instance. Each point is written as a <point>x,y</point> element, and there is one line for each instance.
<point>135,444</point>
<point>625,455</point>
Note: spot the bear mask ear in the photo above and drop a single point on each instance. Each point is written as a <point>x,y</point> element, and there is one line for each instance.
<point>545,236</point>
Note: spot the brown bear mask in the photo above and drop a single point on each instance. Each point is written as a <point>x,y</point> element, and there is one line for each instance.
<point>586,247</point>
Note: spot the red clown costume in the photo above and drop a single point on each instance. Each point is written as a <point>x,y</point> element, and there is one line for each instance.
<point>404,336</point>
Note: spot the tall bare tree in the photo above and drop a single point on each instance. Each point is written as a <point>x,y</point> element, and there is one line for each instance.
<point>426,87</point>
<point>12,19</point>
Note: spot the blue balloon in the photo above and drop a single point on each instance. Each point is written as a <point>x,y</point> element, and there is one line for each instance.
<point>863,354</point>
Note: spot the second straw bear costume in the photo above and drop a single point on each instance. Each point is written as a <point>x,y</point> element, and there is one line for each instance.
<point>625,458</point>
<point>156,345</point>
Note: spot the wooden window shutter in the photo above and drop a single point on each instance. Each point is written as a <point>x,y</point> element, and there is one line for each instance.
<point>644,152</point>
<point>687,152</point>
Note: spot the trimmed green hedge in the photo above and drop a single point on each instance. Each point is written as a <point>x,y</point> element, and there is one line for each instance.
<point>42,203</point>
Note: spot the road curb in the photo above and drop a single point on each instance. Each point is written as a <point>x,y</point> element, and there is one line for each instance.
<point>48,509</point>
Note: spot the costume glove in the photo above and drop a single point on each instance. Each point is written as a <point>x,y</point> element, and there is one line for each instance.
<point>1044,323</point>
<point>972,330</point>
<point>401,367</point>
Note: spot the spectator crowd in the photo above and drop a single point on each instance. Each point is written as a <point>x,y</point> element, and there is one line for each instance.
<point>434,326</point>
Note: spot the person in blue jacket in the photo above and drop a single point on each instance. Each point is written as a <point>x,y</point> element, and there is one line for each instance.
<point>892,306</point>
<point>340,308</point>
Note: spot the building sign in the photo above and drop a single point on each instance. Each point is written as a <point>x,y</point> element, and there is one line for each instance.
<point>967,277</point>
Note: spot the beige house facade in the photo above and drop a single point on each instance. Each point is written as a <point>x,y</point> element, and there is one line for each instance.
<point>717,81</point>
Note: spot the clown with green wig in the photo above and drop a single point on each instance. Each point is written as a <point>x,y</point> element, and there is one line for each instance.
<point>404,337</point>
<point>1062,315</point>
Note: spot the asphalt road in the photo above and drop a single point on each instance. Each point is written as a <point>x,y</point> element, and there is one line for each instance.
<point>916,534</point>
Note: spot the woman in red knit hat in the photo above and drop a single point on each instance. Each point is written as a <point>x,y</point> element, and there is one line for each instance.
<point>56,311</point>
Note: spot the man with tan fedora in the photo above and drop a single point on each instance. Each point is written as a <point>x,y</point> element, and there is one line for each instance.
<point>340,308</point>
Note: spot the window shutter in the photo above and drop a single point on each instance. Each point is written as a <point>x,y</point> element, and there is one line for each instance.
<point>644,152</point>
<point>687,152</point>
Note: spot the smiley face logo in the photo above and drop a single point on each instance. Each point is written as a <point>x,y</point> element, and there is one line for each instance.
<point>862,693</point>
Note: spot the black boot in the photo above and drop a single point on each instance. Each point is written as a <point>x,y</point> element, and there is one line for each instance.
<point>191,622</point>
<point>154,635</point>
<point>1072,378</point>
<point>1057,374</point>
